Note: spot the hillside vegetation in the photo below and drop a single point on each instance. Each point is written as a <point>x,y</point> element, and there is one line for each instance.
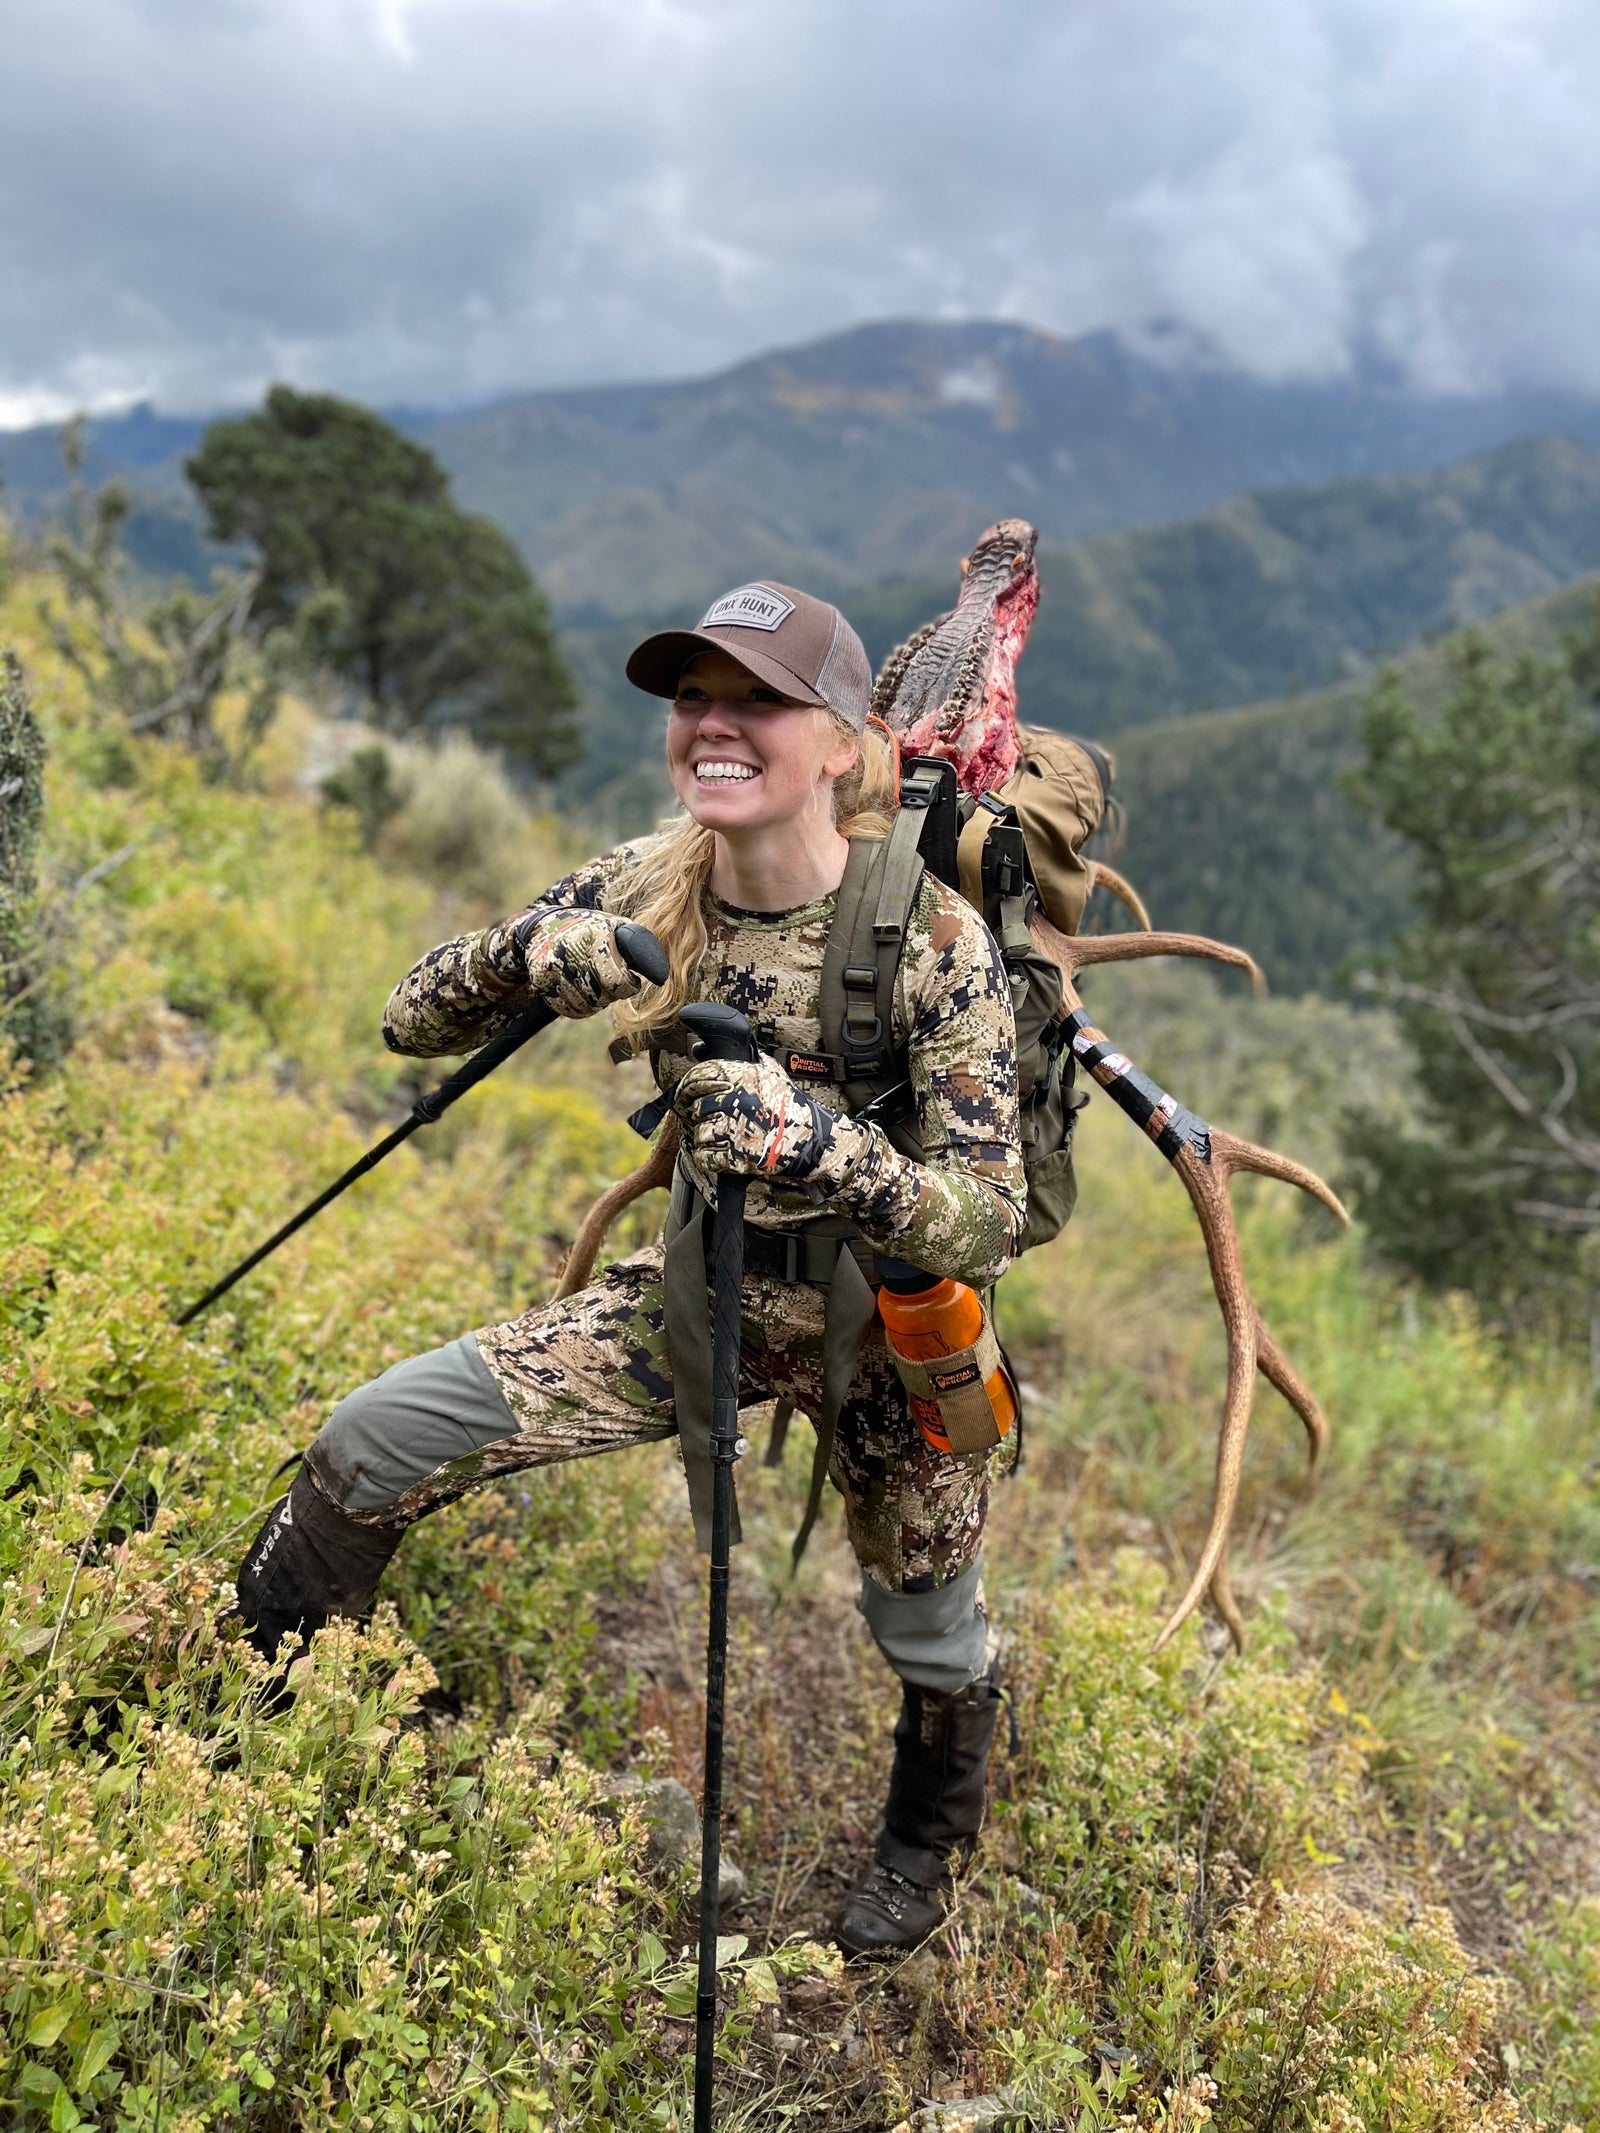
<point>1351,1880</point>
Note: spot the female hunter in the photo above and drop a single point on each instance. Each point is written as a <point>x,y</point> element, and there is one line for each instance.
<point>777,770</point>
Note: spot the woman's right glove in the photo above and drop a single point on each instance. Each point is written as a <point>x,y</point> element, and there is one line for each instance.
<point>572,961</point>
<point>566,957</point>
<point>467,990</point>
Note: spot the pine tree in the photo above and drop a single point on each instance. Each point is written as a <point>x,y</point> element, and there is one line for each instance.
<point>1497,980</point>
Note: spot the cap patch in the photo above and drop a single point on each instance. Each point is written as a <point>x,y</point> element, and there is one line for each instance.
<point>749,607</point>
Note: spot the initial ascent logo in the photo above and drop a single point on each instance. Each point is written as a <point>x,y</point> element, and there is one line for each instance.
<point>750,607</point>
<point>953,1380</point>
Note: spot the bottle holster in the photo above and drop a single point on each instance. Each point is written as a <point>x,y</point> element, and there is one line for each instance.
<point>949,1393</point>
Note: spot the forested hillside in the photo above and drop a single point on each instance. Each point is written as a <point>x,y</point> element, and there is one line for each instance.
<point>1349,1880</point>
<point>1238,824</point>
<point>1280,592</point>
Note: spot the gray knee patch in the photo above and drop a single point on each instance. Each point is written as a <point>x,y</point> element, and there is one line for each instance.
<point>933,1640</point>
<point>404,1426</point>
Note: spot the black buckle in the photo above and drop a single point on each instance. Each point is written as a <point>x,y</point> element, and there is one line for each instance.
<point>860,1027</point>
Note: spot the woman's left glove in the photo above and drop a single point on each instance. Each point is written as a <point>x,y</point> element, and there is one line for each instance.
<point>748,1117</point>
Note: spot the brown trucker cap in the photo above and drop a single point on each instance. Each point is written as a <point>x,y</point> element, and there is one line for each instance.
<point>802,647</point>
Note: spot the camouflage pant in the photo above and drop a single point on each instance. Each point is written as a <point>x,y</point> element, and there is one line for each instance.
<point>592,1373</point>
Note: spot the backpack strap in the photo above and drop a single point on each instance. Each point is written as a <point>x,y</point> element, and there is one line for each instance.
<point>861,960</point>
<point>994,874</point>
<point>979,816</point>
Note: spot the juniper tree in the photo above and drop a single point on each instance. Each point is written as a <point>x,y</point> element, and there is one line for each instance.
<point>1497,979</point>
<point>436,618</point>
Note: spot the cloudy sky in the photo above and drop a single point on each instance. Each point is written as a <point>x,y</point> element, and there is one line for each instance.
<point>429,201</point>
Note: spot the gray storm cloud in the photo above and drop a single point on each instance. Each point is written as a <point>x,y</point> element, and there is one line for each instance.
<point>432,200</point>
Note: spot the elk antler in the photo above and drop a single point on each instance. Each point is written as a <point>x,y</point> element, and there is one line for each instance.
<point>1130,947</point>
<point>1122,889</point>
<point>654,1172</point>
<point>1205,1158</point>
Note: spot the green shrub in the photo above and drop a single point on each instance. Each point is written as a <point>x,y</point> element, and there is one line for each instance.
<point>447,813</point>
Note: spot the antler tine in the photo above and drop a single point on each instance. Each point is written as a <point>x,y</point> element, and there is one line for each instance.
<point>1122,889</point>
<point>1223,1601</point>
<point>1277,1369</point>
<point>1239,1319</point>
<point>1229,1154</point>
<point>1073,951</point>
<point>653,1172</point>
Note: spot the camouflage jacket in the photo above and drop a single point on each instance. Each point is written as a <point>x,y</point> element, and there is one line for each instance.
<point>960,1210</point>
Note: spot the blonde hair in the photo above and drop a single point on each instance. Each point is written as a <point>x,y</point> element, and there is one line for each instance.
<point>666,891</point>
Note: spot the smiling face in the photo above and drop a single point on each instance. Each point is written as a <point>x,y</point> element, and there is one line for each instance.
<point>741,757</point>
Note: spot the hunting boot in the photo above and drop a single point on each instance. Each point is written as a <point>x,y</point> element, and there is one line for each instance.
<point>933,1816</point>
<point>309,1562</point>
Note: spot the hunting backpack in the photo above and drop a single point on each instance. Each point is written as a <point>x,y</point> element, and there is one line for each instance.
<point>1009,853</point>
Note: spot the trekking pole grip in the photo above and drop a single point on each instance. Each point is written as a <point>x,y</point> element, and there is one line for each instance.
<point>718,1032</point>
<point>639,949</point>
<point>642,952</point>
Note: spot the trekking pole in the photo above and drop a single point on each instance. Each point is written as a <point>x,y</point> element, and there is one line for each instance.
<point>639,949</point>
<point>718,1032</point>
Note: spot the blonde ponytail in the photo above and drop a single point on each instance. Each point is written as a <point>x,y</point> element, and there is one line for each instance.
<point>666,891</point>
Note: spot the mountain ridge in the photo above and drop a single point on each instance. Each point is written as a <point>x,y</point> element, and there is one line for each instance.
<point>866,454</point>
<point>817,463</point>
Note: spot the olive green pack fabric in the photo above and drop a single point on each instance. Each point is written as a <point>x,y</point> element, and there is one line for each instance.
<point>1061,791</point>
<point>1019,850</point>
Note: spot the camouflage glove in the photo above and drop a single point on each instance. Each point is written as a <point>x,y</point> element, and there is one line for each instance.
<point>748,1117</point>
<point>569,959</point>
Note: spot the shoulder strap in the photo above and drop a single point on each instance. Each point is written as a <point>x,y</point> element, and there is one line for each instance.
<point>862,958</point>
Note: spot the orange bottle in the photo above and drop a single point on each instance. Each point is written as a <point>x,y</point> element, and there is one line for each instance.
<point>950,1363</point>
